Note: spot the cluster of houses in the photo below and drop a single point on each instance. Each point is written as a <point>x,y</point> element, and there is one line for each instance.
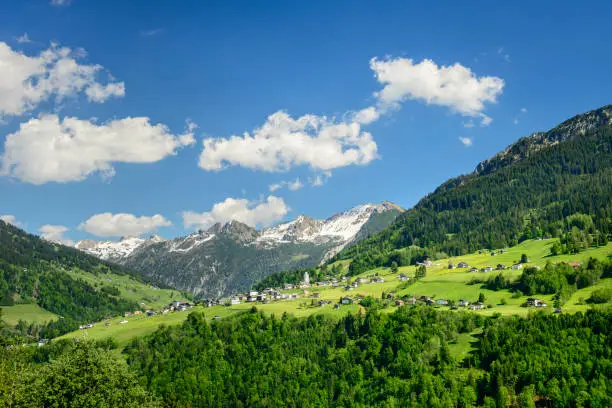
<point>499,267</point>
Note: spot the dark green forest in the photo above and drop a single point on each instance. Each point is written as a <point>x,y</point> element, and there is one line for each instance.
<point>388,360</point>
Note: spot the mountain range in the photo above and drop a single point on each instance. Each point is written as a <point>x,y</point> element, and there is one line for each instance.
<point>230,257</point>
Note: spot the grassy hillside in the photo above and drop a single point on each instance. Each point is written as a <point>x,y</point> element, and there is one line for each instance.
<point>50,289</point>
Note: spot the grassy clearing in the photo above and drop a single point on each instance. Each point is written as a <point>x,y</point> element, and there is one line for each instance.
<point>465,343</point>
<point>31,313</point>
<point>131,289</point>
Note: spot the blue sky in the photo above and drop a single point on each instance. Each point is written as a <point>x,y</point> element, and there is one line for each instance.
<point>74,165</point>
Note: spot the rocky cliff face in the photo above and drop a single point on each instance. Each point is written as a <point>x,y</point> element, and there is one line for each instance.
<point>230,257</point>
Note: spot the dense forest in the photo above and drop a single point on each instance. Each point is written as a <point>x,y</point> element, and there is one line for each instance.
<point>387,360</point>
<point>35,271</point>
<point>533,189</point>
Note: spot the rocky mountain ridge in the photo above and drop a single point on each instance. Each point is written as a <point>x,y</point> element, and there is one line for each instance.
<point>231,256</point>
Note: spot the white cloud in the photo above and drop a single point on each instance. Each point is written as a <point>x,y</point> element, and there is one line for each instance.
<point>26,82</point>
<point>467,142</point>
<point>116,225</point>
<point>55,233</point>
<point>505,56</point>
<point>523,110</point>
<point>10,219</point>
<point>366,116</point>
<point>291,185</point>
<point>455,86</point>
<point>468,125</point>
<point>60,2</point>
<point>515,121</point>
<point>253,213</point>
<point>23,39</point>
<point>150,33</point>
<point>320,179</point>
<point>283,142</point>
<point>49,149</point>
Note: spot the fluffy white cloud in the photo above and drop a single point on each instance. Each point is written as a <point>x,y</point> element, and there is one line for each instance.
<point>26,81</point>
<point>49,149</point>
<point>23,39</point>
<point>366,115</point>
<point>55,233</point>
<point>10,219</point>
<point>283,142</point>
<point>291,185</point>
<point>455,86</point>
<point>116,225</point>
<point>467,142</point>
<point>523,110</point>
<point>253,213</point>
<point>60,2</point>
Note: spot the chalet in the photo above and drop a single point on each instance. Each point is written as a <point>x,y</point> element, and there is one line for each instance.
<point>324,302</point>
<point>517,266</point>
<point>253,293</point>
<point>234,301</point>
<point>463,303</point>
<point>451,265</point>
<point>486,269</point>
<point>165,311</point>
<point>261,297</point>
<point>355,284</point>
<point>346,300</point>
<point>534,302</point>
<point>150,313</point>
<point>426,299</point>
<point>123,321</point>
<point>348,287</point>
<point>252,299</point>
<point>411,301</point>
<point>378,279</point>
<point>463,265</point>
<point>86,326</point>
<point>361,280</point>
<point>137,312</point>
<point>427,262</point>
<point>442,302</point>
<point>399,302</point>
<point>42,342</point>
<point>403,277</point>
<point>288,286</point>
<point>493,253</point>
<point>477,306</point>
<point>500,267</point>
<point>127,314</point>
<point>473,269</point>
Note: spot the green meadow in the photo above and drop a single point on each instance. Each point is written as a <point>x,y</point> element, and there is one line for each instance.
<point>31,313</point>
<point>439,283</point>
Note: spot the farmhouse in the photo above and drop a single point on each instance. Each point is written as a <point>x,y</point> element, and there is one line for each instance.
<point>517,266</point>
<point>486,269</point>
<point>346,300</point>
<point>474,269</point>
<point>426,299</point>
<point>403,277</point>
<point>361,280</point>
<point>411,301</point>
<point>477,306</point>
<point>288,286</point>
<point>442,302</point>
<point>399,302</point>
<point>463,265</point>
<point>378,279</point>
<point>535,302</point>
<point>500,267</point>
<point>150,313</point>
<point>235,301</point>
<point>451,265</point>
<point>463,303</point>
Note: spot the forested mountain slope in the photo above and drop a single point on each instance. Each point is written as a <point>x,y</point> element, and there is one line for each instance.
<point>526,191</point>
<point>33,270</point>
